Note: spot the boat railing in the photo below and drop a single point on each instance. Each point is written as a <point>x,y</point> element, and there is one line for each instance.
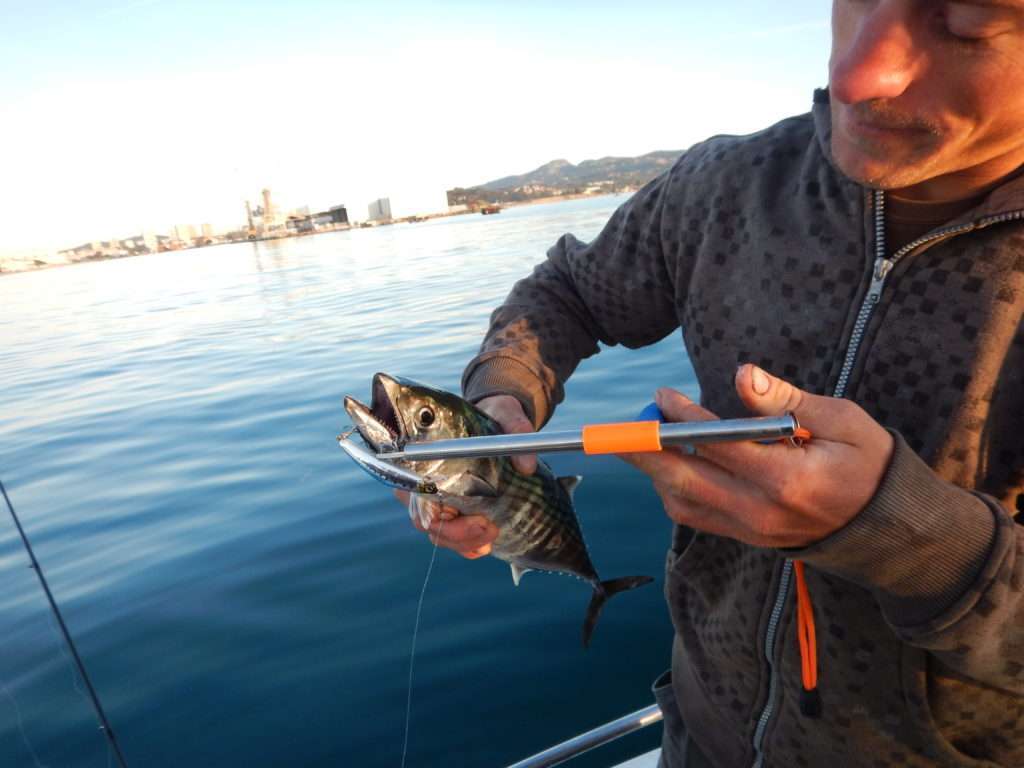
<point>594,738</point>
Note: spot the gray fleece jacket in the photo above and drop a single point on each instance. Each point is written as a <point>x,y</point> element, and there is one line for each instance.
<point>762,251</point>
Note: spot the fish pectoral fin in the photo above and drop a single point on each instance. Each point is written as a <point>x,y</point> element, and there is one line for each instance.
<point>468,484</point>
<point>517,573</point>
<point>570,483</point>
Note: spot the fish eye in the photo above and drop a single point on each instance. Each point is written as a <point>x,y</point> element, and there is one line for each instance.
<point>425,417</point>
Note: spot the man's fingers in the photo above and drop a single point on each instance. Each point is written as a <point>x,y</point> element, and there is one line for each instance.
<point>526,464</point>
<point>469,535</point>
<point>477,553</point>
<point>509,413</point>
<point>701,517</point>
<point>465,533</point>
<point>825,417</point>
<point>678,407</point>
<point>424,513</point>
<point>741,457</point>
<point>699,493</point>
<point>696,479</point>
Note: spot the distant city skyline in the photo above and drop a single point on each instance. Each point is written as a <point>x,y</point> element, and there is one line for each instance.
<point>133,116</point>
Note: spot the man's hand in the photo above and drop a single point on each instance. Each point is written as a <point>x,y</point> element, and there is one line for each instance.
<point>472,535</point>
<point>772,495</point>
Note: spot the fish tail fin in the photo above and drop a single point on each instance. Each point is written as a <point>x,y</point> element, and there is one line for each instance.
<point>602,591</point>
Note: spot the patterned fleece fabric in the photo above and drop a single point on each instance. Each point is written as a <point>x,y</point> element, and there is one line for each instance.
<point>762,251</point>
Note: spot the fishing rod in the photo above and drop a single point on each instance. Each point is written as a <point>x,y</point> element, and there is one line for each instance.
<point>100,714</point>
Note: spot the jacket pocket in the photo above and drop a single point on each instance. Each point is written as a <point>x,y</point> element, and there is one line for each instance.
<point>673,737</point>
<point>959,720</point>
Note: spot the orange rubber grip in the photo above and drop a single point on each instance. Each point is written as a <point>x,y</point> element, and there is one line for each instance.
<point>628,437</point>
<point>802,434</point>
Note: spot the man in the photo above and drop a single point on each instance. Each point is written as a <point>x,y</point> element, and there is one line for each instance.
<point>863,265</point>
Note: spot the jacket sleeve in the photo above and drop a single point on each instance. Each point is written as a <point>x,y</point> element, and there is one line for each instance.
<point>946,566</point>
<point>618,289</point>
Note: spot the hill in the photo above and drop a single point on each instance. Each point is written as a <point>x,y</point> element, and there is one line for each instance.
<point>560,177</point>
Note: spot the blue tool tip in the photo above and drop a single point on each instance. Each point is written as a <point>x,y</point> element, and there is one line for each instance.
<point>652,412</point>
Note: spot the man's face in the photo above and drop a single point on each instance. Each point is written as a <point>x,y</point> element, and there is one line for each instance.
<point>927,93</point>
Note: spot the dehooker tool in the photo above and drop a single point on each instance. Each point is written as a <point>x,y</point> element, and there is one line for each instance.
<point>597,439</point>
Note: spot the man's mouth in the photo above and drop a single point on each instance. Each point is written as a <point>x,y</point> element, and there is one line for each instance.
<point>874,121</point>
<point>876,128</point>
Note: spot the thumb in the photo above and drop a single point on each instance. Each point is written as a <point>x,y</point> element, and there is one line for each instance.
<point>509,413</point>
<point>767,395</point>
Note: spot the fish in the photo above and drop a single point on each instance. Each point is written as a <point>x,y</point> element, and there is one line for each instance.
<point>538,529</point>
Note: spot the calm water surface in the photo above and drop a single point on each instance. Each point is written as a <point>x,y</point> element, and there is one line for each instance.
<point>242,594</point>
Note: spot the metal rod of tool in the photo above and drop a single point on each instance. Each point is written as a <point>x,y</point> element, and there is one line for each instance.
<point>729,430</point>
<point>674,434</point>
<point>490,445</point>
<point>595,738</point>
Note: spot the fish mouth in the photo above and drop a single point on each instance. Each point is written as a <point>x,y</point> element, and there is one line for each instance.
<point>380,424</point>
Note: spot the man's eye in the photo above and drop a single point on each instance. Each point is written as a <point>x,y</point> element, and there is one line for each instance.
<point>973,22</point>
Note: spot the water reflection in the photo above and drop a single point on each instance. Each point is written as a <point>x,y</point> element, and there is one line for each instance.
<point>167,432</point>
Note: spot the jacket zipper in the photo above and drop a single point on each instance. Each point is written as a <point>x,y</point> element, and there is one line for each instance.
<point>880,271</point>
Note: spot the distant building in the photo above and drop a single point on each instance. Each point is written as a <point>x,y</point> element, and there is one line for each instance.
<point>96,249</point>
<point>298,223</point>
<point>339,214</point>
<point>334,218</point>
<point>269,212</point>
<point>84,251</point>
<point>24,261</point>
<point>147,242</point>
<point>380,210</point>
<point>184,233</point>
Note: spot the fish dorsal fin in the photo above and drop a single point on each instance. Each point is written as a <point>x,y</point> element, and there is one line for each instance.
<point>570,483</point>
<point>517,573</point>
<point>468,484</point>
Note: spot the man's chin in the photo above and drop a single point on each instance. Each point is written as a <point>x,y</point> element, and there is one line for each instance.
<point>871,170</point>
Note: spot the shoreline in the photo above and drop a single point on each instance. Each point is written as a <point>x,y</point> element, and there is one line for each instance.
<point>414,219</point>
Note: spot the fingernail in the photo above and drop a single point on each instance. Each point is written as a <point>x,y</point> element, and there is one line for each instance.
<point>477,529</point>
<point>759,380</point>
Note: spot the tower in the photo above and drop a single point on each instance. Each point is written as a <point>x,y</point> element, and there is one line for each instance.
<point>269,214</point>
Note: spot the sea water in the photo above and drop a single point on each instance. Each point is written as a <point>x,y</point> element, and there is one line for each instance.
<point>241,593</point>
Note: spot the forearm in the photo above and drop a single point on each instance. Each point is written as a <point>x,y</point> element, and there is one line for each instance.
<point>618,289</point>
<point>945,566</point>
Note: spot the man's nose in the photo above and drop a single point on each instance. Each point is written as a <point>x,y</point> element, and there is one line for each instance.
<point>879,60</point>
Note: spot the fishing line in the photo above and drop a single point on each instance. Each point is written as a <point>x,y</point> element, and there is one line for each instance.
<point>415,632</point>
<point>100,714</point>
<point>55,630</point>
<point>21,725</point>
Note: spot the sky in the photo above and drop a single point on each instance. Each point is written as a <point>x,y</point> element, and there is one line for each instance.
<point>119,116</point>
